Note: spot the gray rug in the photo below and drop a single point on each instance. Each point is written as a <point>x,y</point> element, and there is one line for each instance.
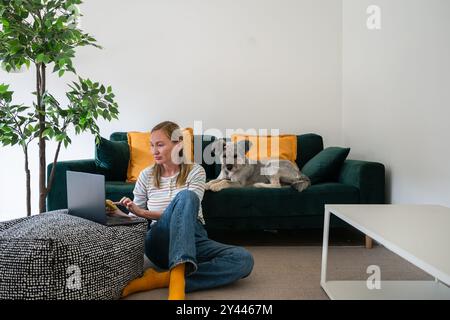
<point>293,272</point>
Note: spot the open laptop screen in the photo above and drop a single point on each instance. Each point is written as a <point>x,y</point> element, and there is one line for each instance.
<point>86,196</point>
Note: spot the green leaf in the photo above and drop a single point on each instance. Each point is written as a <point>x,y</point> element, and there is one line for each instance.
<point>40,58</point>
<point>14,140</point>
<point>6,130</point>
<point>61,73</point>
<point>70,68</point>
<point>21,109</point>
<point>3,88</point>
<point>48,132</point>
<point>77,85</point>
<point>5,23</point>
<point>60,137</point>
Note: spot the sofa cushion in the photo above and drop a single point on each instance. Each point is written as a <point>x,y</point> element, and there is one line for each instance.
<point>115,190</point>
<point>111,158</point>
<point>308,145</point>
<point>141,155</point>
<point>261,146</point>
<point>251,202</point>
<point>325,166</point>
<point>58,256</point>
<point>119,136</point>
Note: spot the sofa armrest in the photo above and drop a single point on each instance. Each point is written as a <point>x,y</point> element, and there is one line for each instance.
<point>57,197</point>
<point>368,177</point>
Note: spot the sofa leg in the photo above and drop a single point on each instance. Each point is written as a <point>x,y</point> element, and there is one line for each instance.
<point>369,243</point>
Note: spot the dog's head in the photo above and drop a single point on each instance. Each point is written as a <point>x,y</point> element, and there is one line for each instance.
<point>230,154</point>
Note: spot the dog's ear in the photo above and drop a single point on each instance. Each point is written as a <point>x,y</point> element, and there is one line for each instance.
<point>248,145</point>
<point>218,147</point>
<point>243,146</point>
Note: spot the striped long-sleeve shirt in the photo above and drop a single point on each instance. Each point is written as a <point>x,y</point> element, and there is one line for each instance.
<point>148,197</point>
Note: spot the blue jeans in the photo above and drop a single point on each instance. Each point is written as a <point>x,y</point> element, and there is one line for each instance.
<point>178,237</point>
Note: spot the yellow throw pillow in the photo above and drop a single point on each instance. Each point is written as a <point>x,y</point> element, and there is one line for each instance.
<point>141,155</point>
<point>262,146</point>
<point>188,144</point>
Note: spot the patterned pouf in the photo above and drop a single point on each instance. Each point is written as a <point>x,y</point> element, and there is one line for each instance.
<point>58,256</point>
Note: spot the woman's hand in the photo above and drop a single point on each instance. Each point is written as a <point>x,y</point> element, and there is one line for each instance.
<point>116,212</point>
<point>130,205</point>
<point>134,208</point>
<point>113,210</point>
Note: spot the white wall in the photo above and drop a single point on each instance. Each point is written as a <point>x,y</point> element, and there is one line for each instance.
<point>229,63</point>
<point>396,94</point>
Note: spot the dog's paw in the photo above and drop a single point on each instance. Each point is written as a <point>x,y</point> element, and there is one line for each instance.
<point>260,185</point>
<point>211,183</point>
<point>267,185</point>
<point>216,187</point>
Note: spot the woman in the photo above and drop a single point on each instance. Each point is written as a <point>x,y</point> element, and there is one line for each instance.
<point>170,193</point>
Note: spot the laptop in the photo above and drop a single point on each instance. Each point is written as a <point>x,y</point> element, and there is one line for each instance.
<point>86,199</point>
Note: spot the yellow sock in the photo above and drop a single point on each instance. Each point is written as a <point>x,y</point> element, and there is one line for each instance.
<point>150,280</point>
<point>176,285</point>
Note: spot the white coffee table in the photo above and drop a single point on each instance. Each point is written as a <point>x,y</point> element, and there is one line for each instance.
<point>418,233</point>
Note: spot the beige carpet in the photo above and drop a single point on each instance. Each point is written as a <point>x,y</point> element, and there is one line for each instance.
<point>293,272</point>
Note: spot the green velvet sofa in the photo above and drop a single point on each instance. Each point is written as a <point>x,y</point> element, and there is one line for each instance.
<point>253,208</point>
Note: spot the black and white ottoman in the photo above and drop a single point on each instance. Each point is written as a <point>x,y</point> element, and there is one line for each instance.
<point>58,256</point>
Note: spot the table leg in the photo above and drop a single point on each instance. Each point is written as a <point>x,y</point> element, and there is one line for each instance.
<point>326,231</point>
<point>369,242</point>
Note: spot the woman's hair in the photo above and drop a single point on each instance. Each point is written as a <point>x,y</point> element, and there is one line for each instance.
<point>169,128</point>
